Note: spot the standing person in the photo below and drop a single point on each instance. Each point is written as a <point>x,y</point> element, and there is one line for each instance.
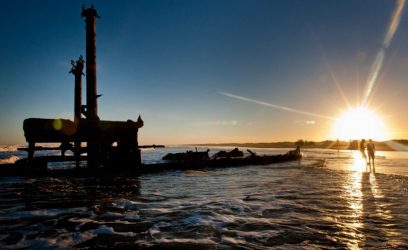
<point>371,153</point>
<point>362,149</point>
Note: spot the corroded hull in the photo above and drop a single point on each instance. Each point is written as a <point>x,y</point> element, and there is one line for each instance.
<point>22,167</point>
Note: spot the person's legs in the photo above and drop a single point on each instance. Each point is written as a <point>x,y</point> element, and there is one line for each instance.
<point>369,161</point>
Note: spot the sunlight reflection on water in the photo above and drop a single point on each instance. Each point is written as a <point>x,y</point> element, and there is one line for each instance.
<point>300,205</point>
<point>353,196</point>
<point>386,162</point>
<point>359,163</point>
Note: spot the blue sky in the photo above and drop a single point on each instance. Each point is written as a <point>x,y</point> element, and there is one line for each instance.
<point>169,60</point>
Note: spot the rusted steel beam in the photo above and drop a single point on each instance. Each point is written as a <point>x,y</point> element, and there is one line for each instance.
<point>77,71</point>
<point>90,15</point>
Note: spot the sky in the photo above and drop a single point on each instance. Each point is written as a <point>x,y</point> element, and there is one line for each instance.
<point>201,71</point>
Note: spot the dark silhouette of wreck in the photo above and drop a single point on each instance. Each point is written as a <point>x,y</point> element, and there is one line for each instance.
<point>100,136</point>
<point>112,145</point>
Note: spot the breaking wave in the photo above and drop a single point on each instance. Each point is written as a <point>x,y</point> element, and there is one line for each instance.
<point>315,203</point>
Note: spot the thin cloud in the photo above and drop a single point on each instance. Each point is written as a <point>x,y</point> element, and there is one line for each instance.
<point>215,123</point>
<point>275,106</point>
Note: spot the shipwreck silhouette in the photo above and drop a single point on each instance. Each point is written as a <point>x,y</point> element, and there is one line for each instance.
<point>111,146</point>
<point>100,136</point>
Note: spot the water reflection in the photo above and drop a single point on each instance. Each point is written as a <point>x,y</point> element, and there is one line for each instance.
<point>367,205</point>
<point>45,193</point>
<point>358,163</point>
<point>374,187</point>
<point>44,198</point>
<point>287,206</point>
<point>382,211</point>
<point>354,219</point>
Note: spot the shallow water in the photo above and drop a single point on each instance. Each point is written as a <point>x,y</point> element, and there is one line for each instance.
<point>326,200</point>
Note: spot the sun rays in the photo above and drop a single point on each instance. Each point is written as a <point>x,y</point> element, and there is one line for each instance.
<point>379,59</point>
<point>359,121</point>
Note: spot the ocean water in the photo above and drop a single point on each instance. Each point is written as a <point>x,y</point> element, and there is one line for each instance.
<point>326,200</point>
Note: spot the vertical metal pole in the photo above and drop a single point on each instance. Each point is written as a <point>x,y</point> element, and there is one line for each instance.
<point>91,90</point>
<point>77,71</point>
<point>90,15</point>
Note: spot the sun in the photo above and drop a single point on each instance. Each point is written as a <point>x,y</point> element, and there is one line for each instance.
<point>360,122</point>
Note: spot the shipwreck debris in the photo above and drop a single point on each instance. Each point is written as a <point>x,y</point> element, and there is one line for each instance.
<point>99,136</point>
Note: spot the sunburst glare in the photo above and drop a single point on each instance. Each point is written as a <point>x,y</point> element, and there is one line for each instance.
<point>360,122</point>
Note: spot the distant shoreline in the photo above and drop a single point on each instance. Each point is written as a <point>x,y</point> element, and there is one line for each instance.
<point>392,145</point>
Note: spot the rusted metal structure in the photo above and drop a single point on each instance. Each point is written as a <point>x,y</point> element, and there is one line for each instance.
<point>76,70</point>
<point>108,143</point>
<point>91,114</point>
<point>90,15</point>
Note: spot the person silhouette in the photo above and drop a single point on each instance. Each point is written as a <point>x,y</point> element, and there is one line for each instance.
<point>362,149</point>
<point>371,153</point>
